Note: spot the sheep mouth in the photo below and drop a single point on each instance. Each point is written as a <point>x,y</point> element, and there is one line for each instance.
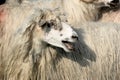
<point>69,45</point>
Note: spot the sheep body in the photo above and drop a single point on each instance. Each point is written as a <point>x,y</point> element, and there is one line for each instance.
<point>112,16</point>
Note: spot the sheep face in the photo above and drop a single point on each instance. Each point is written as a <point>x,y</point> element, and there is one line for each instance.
<point>58,34</point>
<point>63,38</point>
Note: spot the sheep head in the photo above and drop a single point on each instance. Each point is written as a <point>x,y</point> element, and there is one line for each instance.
<point>103,3</point>
<point>55,32</point>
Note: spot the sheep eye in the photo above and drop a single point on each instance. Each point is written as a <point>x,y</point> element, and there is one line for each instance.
<point>48,24</point>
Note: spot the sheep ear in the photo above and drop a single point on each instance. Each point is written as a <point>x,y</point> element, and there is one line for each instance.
<point>42,23</point>
<point>45,21</point>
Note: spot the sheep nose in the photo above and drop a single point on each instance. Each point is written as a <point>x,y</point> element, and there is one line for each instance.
<point>75,37</point>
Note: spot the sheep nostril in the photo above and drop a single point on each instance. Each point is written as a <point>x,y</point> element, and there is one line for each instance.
<point>75,37</point>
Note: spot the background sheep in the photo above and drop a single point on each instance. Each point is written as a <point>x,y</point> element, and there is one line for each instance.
<point>77,11</point>
<point>96,55</point>
<point>80,11</point>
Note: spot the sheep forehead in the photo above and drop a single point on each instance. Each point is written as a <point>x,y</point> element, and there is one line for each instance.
<point>66,28</point>
<point>66,32</point>
<point>49,15</point>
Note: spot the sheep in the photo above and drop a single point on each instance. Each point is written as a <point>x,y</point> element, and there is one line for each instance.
<point>37,47</point>
<point>25,40</point>
<point>77,11</point>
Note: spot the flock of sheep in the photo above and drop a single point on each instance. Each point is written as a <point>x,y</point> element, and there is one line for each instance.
<point>59,40</point>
